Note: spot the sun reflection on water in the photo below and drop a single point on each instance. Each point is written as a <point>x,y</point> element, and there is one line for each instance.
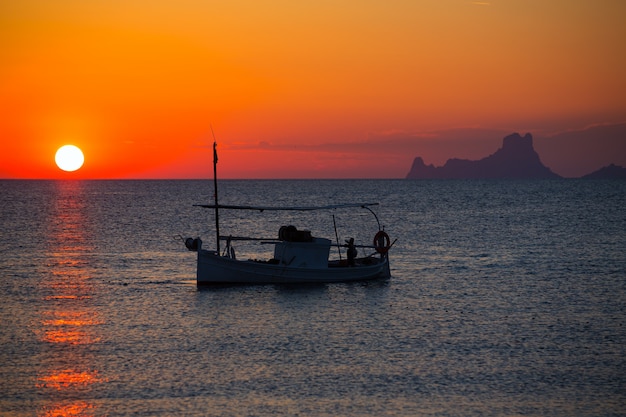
<point>79,408</point>
<point>71,318</point>
<point>68,378</point>
<point>69,325</point>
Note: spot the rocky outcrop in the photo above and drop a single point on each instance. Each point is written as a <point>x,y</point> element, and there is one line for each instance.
<point>608,172</point>
<point>516,159</point>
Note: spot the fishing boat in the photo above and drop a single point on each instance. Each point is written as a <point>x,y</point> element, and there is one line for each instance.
<point>297,256</point>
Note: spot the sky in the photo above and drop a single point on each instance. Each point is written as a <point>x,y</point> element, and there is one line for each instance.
<point>306,89</point>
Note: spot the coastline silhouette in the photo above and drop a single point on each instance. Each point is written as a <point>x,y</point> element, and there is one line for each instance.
<point>516,159</point>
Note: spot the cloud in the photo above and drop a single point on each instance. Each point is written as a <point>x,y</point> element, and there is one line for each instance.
<point>435,145</point>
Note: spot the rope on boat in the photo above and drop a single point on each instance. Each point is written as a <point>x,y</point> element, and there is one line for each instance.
<point>337,237</point>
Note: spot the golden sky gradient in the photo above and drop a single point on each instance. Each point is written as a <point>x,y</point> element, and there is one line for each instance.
<point>310,89</point>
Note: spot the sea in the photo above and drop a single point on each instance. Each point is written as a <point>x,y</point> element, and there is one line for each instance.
<point>506,298</point>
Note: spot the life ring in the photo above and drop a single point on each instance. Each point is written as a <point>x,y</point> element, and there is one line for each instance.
<point>382,243</point>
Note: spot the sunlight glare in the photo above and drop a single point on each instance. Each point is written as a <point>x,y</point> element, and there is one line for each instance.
<point>69,158</point>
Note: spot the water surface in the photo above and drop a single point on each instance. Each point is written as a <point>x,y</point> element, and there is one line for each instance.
<point>506,298</point>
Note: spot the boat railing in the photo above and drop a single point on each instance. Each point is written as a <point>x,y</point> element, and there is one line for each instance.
<point>273,241</point>
<point>243,238</point>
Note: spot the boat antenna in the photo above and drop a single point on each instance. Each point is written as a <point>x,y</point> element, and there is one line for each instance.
<point>217,220</point>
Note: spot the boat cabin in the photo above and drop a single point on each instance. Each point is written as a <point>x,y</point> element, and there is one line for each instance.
<point>297,248</point>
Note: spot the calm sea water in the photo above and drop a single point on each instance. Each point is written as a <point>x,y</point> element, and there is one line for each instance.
<point>507,298</point>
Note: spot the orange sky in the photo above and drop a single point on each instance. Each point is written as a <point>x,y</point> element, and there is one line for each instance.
<point>311,89</point>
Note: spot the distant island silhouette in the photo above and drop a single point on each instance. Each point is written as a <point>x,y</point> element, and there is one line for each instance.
<point>516,159</point>
<point>608,172</point>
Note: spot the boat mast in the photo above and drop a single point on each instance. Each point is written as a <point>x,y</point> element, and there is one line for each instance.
<point>217,220</point>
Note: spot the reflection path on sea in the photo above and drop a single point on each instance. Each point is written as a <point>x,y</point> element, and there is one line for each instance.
<point>68,324</point>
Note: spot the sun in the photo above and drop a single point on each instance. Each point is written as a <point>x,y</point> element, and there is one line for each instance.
<point>69,158</point>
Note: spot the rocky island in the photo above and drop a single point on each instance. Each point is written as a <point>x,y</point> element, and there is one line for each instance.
<point>516,159</point>
<point>612,172</point>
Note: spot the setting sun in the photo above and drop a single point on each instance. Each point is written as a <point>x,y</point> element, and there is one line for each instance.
<point>69,158</point>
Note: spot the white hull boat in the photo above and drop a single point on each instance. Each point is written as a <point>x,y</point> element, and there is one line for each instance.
<point>298,257</point>
<point>216,269</point>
